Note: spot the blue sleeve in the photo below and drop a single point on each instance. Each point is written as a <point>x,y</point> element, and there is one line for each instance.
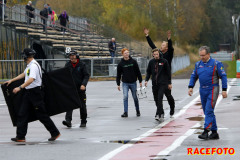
<point>194,77</point>
<point>222,74</point>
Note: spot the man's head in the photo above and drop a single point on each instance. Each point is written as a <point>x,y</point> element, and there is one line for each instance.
<point>156,53</point>
<point>204,53</point>
<point>30,3</point>
<point>73,56</point>
<point>125,53</point>
<point>45,6</point>
<point>28,53</point>
<point>113,39</point>
<point>164,47</point>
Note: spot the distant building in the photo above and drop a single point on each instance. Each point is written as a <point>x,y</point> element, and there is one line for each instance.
<point>224,47</point>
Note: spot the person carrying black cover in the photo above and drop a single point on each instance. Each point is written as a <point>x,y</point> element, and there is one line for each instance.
<point>32,98</point>
<point>80,77</point>
<point>159,69</point>
<point>167,53</point>
<point>129,72</point>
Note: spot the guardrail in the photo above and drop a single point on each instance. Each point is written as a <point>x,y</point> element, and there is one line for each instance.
<point>223,56</point>
<point>97,67</point>
<point>180,62</point>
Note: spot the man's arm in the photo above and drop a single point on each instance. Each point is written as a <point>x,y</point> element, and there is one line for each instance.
<point>24,85</point>
<point>86,76</point>
<point>168,72</point>
<point>150,42</point>
<point>119,73</point>
<point>149,73</point>
<point>139,75</point>
<point>170,46</point>
<point>222,74</point>
<point>20,76</point>
<point>193,79</point>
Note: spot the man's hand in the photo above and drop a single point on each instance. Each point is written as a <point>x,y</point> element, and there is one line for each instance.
<point>224,94</point>
<point>140,84</point>
<point>118,87</point>
<point>170,86</point>
<point>146,83</point>
<point>8,82</point>
<point>169,34</point>
<point>190,91</point>
<point>16,90</point>
<point>146,31</point>
<point>83,88</point>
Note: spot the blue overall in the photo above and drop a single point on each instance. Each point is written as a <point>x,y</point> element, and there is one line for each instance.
<point>208,74</point>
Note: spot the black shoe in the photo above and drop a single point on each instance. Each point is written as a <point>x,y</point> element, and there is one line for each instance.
<point>204,135</point>
<point>53,138</point>
<point>16,139</point>
<point>83,125</point>
<point>214,136</point>
<point>67,123</point>
<point>138,113</point>
<point>171,111</point>
<point>125,114</point>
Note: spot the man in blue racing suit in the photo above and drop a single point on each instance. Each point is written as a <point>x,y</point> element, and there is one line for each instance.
<point>208,71</point>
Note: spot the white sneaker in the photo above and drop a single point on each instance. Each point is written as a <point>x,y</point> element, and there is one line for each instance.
<point>157,117</point>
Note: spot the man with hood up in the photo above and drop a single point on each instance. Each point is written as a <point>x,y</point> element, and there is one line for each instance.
<point>128,71</point>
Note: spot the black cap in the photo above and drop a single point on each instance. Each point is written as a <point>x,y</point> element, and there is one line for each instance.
<point>27,52</point>
<point>72,53</point>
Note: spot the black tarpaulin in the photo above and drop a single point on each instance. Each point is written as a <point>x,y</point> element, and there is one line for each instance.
<point>60,94</point>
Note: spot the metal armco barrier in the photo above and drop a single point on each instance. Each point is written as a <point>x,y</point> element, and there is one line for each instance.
<point>180,62</point>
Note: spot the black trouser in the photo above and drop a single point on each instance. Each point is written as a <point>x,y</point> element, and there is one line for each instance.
<point>83,108</point>
<point>158,92</point>
<point>33,99</point>
<point>29,20</point>
<point>44,24</point>
<point>64,25</point>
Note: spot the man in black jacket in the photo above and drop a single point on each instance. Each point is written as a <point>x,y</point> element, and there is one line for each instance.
<point>112,48</point>
<point>44,16</point>
<point>128,71</point>
<point>167,53</point>
<point>80,77</point>
<point>29,12</point>
<point>159,69</point>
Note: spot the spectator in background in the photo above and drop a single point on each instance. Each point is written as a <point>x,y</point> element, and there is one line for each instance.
<point>63,21</point>
<point>53,18</point>
<point>44,16</point>
<point>112,48</point>
<point>49,13</point>
<point>29,12</point>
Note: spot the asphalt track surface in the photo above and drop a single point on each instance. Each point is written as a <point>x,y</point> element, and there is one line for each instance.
<point>108,136</point>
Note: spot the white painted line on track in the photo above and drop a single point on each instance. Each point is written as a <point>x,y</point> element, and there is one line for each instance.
<point>125,146</point>
<point>176,143</point>
<point>3,104</point>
